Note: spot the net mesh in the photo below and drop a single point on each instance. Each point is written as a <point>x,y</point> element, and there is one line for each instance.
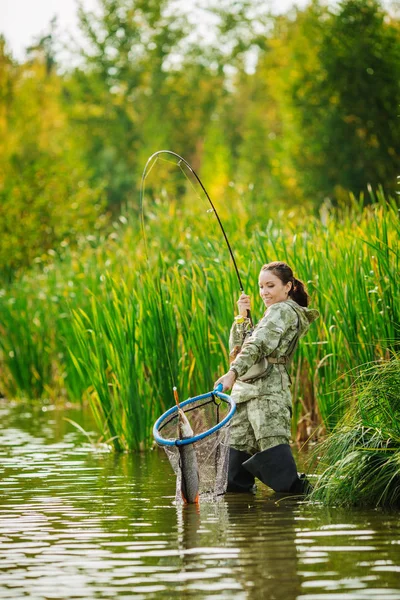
<point>211,451</point>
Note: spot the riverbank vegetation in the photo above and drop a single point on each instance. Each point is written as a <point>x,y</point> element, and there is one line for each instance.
<point>92,324</point>
<point>291,120</point>
<point>296,109</point>
<point>359,462</point>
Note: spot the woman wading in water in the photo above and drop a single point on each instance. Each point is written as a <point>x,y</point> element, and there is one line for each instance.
<point>258,376</point>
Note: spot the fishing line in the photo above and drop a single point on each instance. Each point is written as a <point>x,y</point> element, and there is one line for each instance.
<point>152,160</point>
<point>151,168</point>
<point>156,155</point>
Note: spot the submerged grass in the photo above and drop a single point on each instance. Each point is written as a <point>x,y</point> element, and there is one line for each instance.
<point>359,462</point>
<point>104,324</point>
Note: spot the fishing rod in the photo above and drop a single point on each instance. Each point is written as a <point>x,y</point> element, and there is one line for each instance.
<point>185,162</point>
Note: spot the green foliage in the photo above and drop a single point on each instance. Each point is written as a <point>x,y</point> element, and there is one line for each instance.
<point>317,118</point>
<point>298,108</point>
<point>134,346</point>
<point>106,354</point>
<point>178,310</point>
<point>141,88</point>
<point>26,344</point>
<point>291,109</point>
<point>354,125</point>
<point>360,460</point>
<point>322,116</point>
<point>45,196</point>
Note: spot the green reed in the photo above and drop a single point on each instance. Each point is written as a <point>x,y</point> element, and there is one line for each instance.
<point>135,346</point>
<point>359,462</point>
<point>106,352</point>
<point>181,300</point>
<point>25,341</point>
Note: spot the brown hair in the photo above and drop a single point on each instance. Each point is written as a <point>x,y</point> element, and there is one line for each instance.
<point>297,292</point>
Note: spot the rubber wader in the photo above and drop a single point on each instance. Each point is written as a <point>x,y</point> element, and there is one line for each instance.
<point>239,479</point>
<point>277,469</point>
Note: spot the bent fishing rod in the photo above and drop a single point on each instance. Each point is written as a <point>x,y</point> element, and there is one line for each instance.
<point>185,162</point>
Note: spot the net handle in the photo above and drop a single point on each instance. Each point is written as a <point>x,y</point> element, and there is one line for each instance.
<point>178,442</point>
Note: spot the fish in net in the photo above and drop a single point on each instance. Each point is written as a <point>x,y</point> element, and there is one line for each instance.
<point>195,437</point>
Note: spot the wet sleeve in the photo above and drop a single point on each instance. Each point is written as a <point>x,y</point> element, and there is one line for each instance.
<point>264,339</point>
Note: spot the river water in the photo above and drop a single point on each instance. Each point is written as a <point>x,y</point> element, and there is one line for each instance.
<point>79,522</point>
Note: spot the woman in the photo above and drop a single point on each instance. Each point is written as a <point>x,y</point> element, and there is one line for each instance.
<point>258,376</point>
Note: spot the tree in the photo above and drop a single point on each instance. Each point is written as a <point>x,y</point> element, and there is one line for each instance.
<point>45,196</point>
<point>361,59</point>
<point>141,87</point>
<point>346,106</point>
<point>318,118</point>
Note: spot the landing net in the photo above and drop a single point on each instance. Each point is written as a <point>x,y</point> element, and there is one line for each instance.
<point>209,416</point>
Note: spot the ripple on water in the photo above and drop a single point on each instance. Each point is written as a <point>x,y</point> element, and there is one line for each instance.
<point>76,522</point>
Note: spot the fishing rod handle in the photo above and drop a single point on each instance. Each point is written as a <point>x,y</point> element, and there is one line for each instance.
<point>248,314</point>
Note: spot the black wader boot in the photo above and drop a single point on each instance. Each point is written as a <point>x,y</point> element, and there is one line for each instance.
<point>239,479</point>
<point>276,468</point>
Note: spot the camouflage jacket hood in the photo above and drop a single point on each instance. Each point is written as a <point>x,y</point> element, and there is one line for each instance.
<point>306,316</point>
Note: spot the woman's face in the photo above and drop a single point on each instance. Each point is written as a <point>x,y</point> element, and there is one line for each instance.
<point>272,289</point>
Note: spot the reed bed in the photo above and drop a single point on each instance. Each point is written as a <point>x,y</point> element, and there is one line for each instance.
<point>101,323</point>
<point>359,462</point>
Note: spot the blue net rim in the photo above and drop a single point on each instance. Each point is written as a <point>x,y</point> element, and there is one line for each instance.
<point>178,442</point>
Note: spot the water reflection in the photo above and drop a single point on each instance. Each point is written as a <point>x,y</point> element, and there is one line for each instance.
<point>82,523</point>
<point>265,532</point>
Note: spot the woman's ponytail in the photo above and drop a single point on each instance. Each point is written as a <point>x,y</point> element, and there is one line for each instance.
<point>298,292</point>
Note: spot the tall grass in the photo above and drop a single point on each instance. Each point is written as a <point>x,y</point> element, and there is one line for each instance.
<point>102,323</point>
<point>359,462</point>
<point>25,343</point>
<point>135,345</point>
<point>106,353</point>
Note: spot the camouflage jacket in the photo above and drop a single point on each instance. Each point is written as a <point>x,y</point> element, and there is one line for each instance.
<point>272,336</point>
